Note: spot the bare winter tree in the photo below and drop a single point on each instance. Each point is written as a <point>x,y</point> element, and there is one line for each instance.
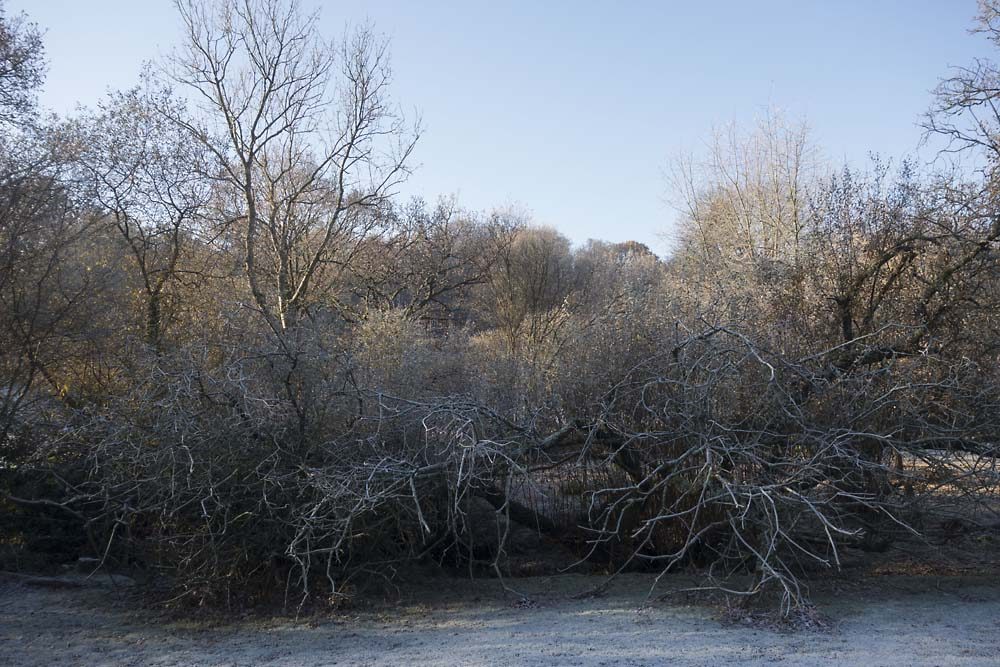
<point>529,288</point>
<point>966,111</point>
<point>745,201</point>
<point>303,133</point>
<point>43,294</point>
<point>22,66</point>
<point>145,174</point>
<point>428,260</point>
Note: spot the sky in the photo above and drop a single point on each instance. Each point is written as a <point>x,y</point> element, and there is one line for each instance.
<point>573,110</point>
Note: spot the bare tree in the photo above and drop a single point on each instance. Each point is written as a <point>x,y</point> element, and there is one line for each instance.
<point>302,131</point>
<point>22,66</point>
<point>147,177</point>
<point>52,292</point>
<point>529,288</point>
<point>745,202</point>
<point>428,260</point>
<point>965,110</point>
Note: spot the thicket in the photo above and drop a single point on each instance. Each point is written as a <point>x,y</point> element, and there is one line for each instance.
<point>230,356</point>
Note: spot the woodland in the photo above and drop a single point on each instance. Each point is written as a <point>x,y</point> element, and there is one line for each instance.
<point>233,359</point>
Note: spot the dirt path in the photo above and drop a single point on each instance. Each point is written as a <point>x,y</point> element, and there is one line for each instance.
<point>905,622</point>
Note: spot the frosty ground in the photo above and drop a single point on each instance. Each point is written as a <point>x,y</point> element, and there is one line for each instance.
<point>888,620</point>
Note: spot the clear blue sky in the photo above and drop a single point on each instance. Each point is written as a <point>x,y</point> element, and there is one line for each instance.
<point>573,109</point>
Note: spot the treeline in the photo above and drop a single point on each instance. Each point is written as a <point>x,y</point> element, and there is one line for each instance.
<point>231,356</point>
